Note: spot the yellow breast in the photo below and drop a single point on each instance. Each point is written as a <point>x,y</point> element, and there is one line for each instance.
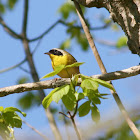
<point>65,60</point>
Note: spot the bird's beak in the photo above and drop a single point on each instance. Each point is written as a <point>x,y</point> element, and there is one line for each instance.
<point>47,53</point>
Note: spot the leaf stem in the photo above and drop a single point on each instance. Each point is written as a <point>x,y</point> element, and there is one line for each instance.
<point>103,69</point>
<point>74,124</point>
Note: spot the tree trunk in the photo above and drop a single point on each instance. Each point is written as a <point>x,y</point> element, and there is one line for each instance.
<point>126,13</point>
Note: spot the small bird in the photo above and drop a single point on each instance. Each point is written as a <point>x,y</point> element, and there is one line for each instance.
<point>61,57</point>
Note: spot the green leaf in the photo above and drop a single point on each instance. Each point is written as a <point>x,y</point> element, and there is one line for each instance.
<point>48,99</point>
<point>84,109</point>
<point>89,84</point>
<point>1,108</point>
<point>83,77</point>
<point>2,8</point>
<point>96,100</point>
<point>73,32</point>
<point>104,83</point>
<point>29,100</point>
<point>82,40</point>
<point>4,131</point>
<point>65,44</point>
<point>115,27</point>
<point>79,96</point>
<point>12,119</point>
<point>74,80</point>
<point>23,80</point>
<point>90,93</point>
<point>69,101</point>
<point>122,42</point>
<point>26,101</point>
<point>66,9</point>
<point>95,114</point>
<point>13,109</point>
<point>17,121</point>
<point>60,92</point>
<point>76,64</point>
<point>11,3</point>
<point>56,71</point>
<point>107,21</point>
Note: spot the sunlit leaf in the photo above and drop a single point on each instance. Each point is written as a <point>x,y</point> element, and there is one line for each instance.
<point>84,109</point>
<point>69,101</point>
<point>13,109</point>
<point>65,44</point>
<point>55,72</point>
<point>4,131</point>
<point>66,9</point>
<point>48,99</point>
<point>89,84</point>
<point>79,96</point>
<point>122,42</point>
<point>74,80</point>
<point>60,92</point>
<point>1,108</point>
<point>76,64</point>
<point>95,114</point>
<point>104,83</point>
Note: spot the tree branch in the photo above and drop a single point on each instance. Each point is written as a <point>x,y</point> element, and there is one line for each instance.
<point>103,69</point>
<point>39,133</point>
<point>68,25</point>
<point>132,71</point>
<point>13,67</point>
<point>126,14</point>
<point>9,30</point>
<point>25,18</point>
<point>34,74</point>
<point>47,31</point>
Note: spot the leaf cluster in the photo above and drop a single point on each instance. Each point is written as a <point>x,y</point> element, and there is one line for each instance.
<point>8,4</point>
<point>29,99</point>
<point>70,96</point>
<point>67,10</point>
<point>8,120</point>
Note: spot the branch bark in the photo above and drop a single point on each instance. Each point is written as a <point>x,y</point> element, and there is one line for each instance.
<point>9,30</point>
<point>103,69</point>
<point>124,12</point>
<point>132,71</point>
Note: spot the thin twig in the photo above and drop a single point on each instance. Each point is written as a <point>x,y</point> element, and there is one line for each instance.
<point>80,27</point>
<point>39,133</point>
<point>23,69</point>
<point>102,67</point>
<point>13,67</point>
<point>74,124</point>
<point>46,32</point>
<point>9,30</point>
<point>25,18</point>
<point>34,73</point>
<point>36,47</point>
<point>68,25</point>
<point>64,114</point>
<point>75,110</point>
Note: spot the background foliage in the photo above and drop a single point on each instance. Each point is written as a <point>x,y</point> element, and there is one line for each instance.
<point>68,35</point>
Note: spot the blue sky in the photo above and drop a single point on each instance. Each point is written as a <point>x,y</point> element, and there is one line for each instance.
<point>41,16</point>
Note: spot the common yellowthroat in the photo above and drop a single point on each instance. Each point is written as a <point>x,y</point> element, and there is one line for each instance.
<point>61,57</point>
